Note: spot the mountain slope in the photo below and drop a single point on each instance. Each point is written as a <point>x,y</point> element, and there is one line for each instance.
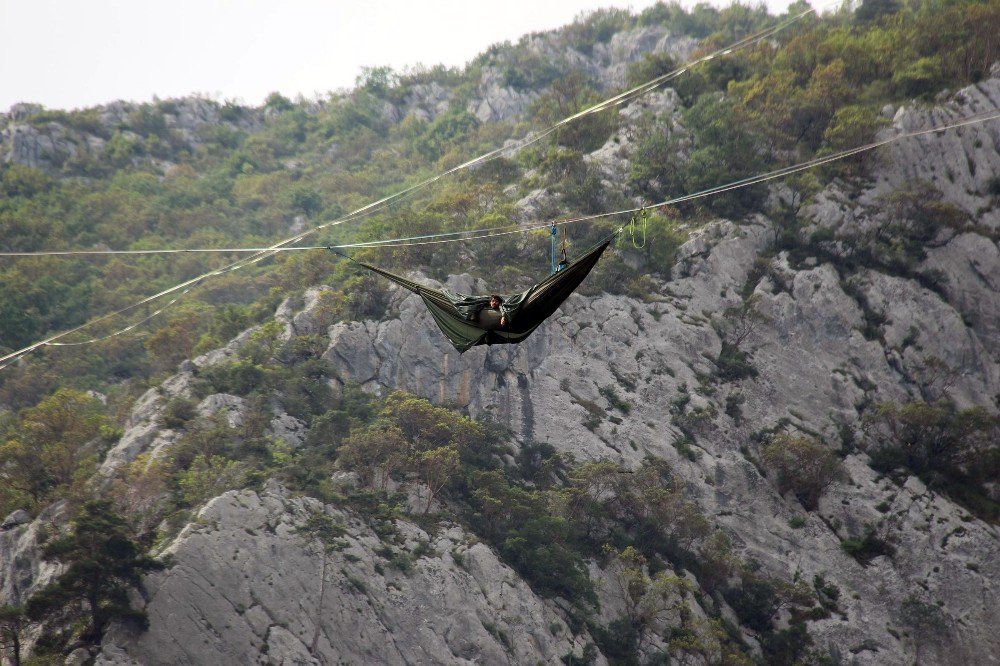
<point>769,436</point>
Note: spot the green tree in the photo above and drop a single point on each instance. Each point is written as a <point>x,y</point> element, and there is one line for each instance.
<point>278,102</point>
<point>930,439</point>
<point>852,126</point>
<point>49,444</point>
<point>727,148</point>
<point>648,599</point>
<point>13,622</point>
<point>568,95</point>
<point>928,621</point>
<point>19,180</point>
<point>375,453</point>
<point>306,199</point>
<point>802,466</point>
<point>209,476</point>
<point>377,80</point>
<point>436,469</point>
<point>102,565</point>
<point>872,10</point>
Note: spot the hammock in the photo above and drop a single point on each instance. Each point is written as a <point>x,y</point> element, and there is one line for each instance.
<point>469,321</point>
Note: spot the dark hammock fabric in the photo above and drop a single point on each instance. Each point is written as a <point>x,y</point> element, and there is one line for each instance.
<point>468,320</point>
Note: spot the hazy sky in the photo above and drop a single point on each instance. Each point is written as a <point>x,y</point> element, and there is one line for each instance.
<point>78,53</point>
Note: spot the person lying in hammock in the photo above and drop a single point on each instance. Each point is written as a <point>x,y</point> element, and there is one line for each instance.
<point>469,320</point>
<point>494,315</point>
<point>489,316</point>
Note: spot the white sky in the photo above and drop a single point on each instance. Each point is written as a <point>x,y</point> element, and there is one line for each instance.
<point>77,53</point>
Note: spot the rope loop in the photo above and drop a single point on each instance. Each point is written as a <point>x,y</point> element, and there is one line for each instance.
<point>643,216</point>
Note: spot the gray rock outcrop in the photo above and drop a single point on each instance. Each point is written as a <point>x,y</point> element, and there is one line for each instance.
<point>963,163</point>
<point>226,600</point>
<point>608,377</point>
<point>51,146</point>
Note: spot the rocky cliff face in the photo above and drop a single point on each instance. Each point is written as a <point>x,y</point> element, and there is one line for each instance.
<point>252,586</point>
<point>816,371</point>
<point>607,64</point>
<point>50,145</point>
<point>249,583</point>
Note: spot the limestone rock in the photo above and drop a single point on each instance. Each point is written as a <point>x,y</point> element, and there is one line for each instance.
<point>144,429</point>
<point>77,657</point>
<point>971,266</point>
<point>22,569</point>
<point>426,101</point>
<point>631,46</point>
<point>815,370</point>
<point>250,586</point>
<point>498,103</point>
<point>288,429</point>
<point>233,407</point>
<point>962,163</point>
<point>16,517</point>
<point>45,149</point>
<point>225,353</point>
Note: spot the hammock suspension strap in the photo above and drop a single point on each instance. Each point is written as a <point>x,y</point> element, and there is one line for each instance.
<point>643,217</point>
<point>554,233</point>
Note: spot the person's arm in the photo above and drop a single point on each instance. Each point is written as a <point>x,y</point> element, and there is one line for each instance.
<point>504,315</point>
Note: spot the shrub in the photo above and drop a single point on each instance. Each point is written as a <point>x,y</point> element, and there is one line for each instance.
<point>733,364</point>
<point>929,438</point>
<point>614,400</point>
<point>866,548</point>
<point>927,620</point>
<point>952,450</point>
<point>755,602</point>
<point>619,641</point>
<point>444,132</point>
<point>177,412</point>
<point>922,78</point>
<point>102,565</point>
<point>652,65</point>
<point>802,466</point>
<point>19,180</point>
<point>566,96</point>
<point>596,27</point>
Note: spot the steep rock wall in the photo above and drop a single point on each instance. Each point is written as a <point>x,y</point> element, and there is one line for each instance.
<point>250,586</point>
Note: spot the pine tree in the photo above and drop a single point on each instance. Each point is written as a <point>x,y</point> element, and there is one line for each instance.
<point>12,624</point>
<point>103,564</point>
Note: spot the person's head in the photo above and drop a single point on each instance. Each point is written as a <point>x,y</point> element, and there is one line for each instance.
<point>495,301</point>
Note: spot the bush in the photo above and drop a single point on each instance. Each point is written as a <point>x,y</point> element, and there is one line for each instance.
<point>17,180</point>
<point>177,412</point>
<point>653,65</point>
<point>619,641</point>
<point>927,620</point>
<point>238,378</point>
<point>930,439</point>
<point>922,78</point>
<point>597,27</point>
<point>733,364</point>
<point>444,132</point>
<point>802,466</point>
<point>954,451</point>
<point>866,548</point>
<point>568,95</point>
<point>726,149</point>
<point>755,602</point>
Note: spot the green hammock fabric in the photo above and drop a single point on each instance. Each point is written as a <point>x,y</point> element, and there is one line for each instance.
<point>468,321</point>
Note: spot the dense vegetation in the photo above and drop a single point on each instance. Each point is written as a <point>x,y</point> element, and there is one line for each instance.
<point>246,177</point>
<point>250,176</point>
